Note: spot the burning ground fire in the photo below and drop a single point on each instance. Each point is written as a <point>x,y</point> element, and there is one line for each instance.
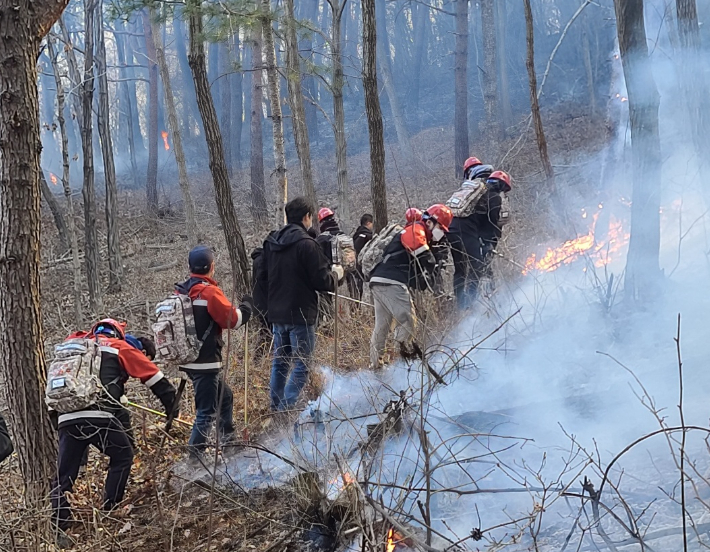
<point>601,252</point>
<point>164,134</point>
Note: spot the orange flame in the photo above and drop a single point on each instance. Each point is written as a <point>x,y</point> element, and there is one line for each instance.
<point>571,250</point>
<point>53,178</point>
<point>390,541</point>
<point>164,134</point>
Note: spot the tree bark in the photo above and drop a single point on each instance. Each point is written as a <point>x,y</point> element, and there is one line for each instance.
<point>134,58</point>
<point>506,111</point>
<point>258,188</point>
<point>76,264</point>
<point>309,86</point>
<point>175,135</point>
<point>22,369</point>
<point>151,183</point>
<point>91,245</point>
<point>57,214</point>
<point>534,104</point>
<point>643,273</point>
<point>490,83</point>
<point>588,67</point>
<point>223,192</point>
<point>272,77</point>
<point>189,101</point>
<point>237,104</point>
<point>225,90</point>
<point>385,70</point>
<point>126,110</point>
<point>213,60</point>
<point>295,97</point>
<point>104,123</point>
<point>374,114</point>
<point>461,87</point>
<point>341,146</point>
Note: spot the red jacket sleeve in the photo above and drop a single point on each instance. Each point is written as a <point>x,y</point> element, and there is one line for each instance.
<point>137,365</point>
<point>221,310</point>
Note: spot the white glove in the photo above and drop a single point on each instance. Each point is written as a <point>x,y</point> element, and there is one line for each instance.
<point>338,271</point>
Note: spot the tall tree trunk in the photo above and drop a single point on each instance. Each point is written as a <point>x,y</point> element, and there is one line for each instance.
<point>422,15</point>
<point>490,83</point>
<point>76,264</point>
<point>225,90</point>
<point>272,78</point>
<point>534,104</point>
<point>385,70</point>
<point>187,87</point>
<point>309,85</point>
<point>213,60</point>
<point>642,266</point>
<point>22,369</point>
<point>506,111</point>
<point>151,183</point>
<point>341,145</point>
<point>91,243</point>
<point>238,104</point>
<point>298,112</point>
<point>258,188</point>
<point>461,87</point>
<point>124,100</point>
<point>134,58</point>
<point>175,135</point>
<point>588,66</point>
<point>378,188</point>
<point>104,124</point>
<point>223,192</point>
<point>57,214</point>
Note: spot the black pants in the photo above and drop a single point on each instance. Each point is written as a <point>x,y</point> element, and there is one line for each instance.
<point>110,437</point>
<point>471,256</point>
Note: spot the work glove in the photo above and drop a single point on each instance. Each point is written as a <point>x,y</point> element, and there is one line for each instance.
<point>246,307</point>
<point>165,391</point>
<point>338,271</point>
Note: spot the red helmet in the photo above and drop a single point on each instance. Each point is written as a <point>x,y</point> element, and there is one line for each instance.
<point>109,327</point>
<point>324,213</point>
<point>441,214</point>
<point>502,176</point>
<point>413,215</point>
<point>471,162</point>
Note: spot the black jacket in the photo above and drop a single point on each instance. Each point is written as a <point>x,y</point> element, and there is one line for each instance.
<point>483,222</point>
<point>360,238</point>
<point>260,284</point>
<point>5,442</point>
<point>297,269</point>
<point>401,266</point>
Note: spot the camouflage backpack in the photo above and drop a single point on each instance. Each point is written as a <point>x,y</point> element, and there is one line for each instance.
<point>344,252</point>
<point>463,202</point>
<point>73,381</point>
<point>374,251</point>
<point>176,339</point>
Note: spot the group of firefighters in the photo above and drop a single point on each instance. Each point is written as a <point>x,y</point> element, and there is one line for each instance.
<point>295,271</point>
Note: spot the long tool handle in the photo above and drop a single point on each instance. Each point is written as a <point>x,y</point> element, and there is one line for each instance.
<point>335,328</point>
<point>246,381</point>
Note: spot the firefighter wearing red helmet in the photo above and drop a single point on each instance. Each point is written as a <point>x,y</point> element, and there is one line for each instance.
<point>474,235</point>
<point>413,215</point>
<point>407,264</point>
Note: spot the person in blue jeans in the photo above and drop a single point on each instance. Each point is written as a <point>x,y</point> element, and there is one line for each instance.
<point>296,270</point>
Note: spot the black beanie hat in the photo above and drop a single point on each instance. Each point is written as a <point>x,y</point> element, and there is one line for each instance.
<point>200,259</point>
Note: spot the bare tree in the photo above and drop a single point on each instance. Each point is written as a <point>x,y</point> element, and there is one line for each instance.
<point>175,134</point>
<point>490,82</point>
<point>23,24</point>
<point>225,90</point>
<point>103,120</point>
<point>501,20</point>
<point>378,188</point>
<point>642,266</point>
<point>295,97</point>
<point>220,176</point>
<point>461,87</point>
<point>91,245</point>
<point>127,107</point>
<point>151,183</point>
<point>238,103</point>
<point>272,78</point>
<point>337,8</point>
<point>76,264</point>
<point>258,189</point>
<point>534,104</point>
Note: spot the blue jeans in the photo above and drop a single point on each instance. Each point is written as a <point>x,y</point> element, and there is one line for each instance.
<point>207,388</point>
<point>292,344</point>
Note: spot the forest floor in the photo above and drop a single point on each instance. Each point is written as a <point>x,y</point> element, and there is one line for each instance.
<point>158,512</point>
